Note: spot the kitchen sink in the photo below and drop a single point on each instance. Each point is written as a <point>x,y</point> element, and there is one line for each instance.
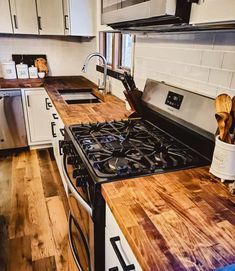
<point>78,96</point>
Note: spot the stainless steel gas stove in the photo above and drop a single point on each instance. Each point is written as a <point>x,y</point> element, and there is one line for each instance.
<point>174,132</point>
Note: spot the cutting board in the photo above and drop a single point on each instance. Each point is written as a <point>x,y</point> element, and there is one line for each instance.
<point>27,59</point>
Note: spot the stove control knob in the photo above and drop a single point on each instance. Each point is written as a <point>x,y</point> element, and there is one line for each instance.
<point>73,160</point>
<point>82,180</point>
<point>66,148</point>
<point>76,173</point>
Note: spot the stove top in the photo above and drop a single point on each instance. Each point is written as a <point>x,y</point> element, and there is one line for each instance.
<point>128,148</point>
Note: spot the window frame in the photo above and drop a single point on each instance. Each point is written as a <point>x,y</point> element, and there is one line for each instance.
<point>116,65</point>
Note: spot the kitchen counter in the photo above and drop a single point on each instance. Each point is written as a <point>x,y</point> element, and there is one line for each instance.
<point>111,108</point>
<point>183,220</point>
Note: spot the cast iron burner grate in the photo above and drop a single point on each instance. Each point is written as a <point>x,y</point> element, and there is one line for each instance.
<point>132,147</point>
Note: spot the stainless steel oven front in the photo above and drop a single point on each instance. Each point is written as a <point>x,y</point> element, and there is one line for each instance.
<point>86,217</point>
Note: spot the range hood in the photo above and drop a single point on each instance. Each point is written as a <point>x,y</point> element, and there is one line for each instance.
<point>168,15</point>
<point>134,14</point>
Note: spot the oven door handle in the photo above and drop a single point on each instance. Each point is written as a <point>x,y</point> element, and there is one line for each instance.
<point>73,189</point>
<point>71,244</point>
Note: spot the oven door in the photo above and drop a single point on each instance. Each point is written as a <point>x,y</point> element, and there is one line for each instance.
<point>81,227</point>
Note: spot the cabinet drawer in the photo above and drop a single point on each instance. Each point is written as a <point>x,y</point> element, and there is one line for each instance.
<point>115,240</point>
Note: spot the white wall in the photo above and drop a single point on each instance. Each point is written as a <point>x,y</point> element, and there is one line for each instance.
<point>65,55</point>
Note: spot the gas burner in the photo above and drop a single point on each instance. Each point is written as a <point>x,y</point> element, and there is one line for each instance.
<point>131,147</point>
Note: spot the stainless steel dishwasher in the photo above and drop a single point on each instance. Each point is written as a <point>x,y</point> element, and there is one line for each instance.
<point>12,122</point>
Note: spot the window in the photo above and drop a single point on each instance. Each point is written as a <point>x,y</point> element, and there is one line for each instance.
<point>108,47</point>
<point>126,53</point>
<point>118,50</point>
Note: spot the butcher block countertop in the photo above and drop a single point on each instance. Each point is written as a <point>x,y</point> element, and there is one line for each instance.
<point>111,108</point>
<point>183,220</point>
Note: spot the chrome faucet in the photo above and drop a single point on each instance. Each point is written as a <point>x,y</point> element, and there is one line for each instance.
<point>84,69</point>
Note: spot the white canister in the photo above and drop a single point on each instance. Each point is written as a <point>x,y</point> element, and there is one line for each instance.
<point>33,72</point>
<point>223,162</point>
<point>22,71</point>
<point>8,70</point>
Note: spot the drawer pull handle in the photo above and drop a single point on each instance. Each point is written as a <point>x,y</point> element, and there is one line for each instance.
<point>28,103</point>
<point>39,23</point>
<point>48,104</point>
<point>55,117</point>
<point>113,269</point>
<point>52,129</point>
<point>125,267</point>
<point>15,21</point>
<point>66,17</point>
<point>62,131</point>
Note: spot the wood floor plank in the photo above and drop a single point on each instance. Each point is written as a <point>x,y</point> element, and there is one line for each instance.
<point>42,241</point>
<point>46,264</point>
<point>20,254</point>
<point>18,225</point>
<point>33,223</point>
<point>46,170</point>
<point>5,207</point>
<point>5,183</point>
<point>59,228</point>
<point>4,243</point>
<point>61,190</point>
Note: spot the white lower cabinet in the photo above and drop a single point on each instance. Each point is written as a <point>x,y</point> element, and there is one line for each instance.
<point>38,121</point>
<point>118,254</point>
<point>57,136</point>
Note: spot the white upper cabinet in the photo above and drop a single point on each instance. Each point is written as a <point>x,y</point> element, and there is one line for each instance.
<point>50,17</point>
<point>24,16</point>
<point>5,17</point>
<point>79,17</point>
<point>212,11</point>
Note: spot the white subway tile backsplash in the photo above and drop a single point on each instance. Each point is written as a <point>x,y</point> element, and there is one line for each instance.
<point>204,40</point>
<point>212,58</point>
<point>207,89</point>
<point>200,62</point>
<point>230,92</point>
<point>200,73</point>
<point>229,61</point>
<point>65,55</point>
<point>232,86</point>
<point>220,78</point>
<point>224,41</point>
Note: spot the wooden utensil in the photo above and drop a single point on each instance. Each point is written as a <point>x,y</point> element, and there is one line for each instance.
<point>228,125</point>
<point>224,121</point>
<point>233,116</point>
<point>223,103</point>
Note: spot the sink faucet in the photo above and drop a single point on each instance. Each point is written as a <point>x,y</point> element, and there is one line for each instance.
<point>84,68</point>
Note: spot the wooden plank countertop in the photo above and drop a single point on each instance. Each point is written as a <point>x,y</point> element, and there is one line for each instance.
<point>182,220</point>
<point>111,108</point>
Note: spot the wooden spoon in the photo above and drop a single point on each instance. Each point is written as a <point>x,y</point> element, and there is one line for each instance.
<point>222,120</point>
<point>223,103</point>
<point>228,125</point>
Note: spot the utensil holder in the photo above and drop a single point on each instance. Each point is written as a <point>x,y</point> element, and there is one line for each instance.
<point>223,161</point>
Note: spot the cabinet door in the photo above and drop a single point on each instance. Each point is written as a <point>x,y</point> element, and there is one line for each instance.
<point>5,17</point>
<point>79,17</point>
<point>24,16</point>
<point>39,122</point>
<point>212,11</point>
<point>50,17</point>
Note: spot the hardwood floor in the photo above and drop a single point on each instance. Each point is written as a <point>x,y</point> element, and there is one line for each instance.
<point>33,214</point>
